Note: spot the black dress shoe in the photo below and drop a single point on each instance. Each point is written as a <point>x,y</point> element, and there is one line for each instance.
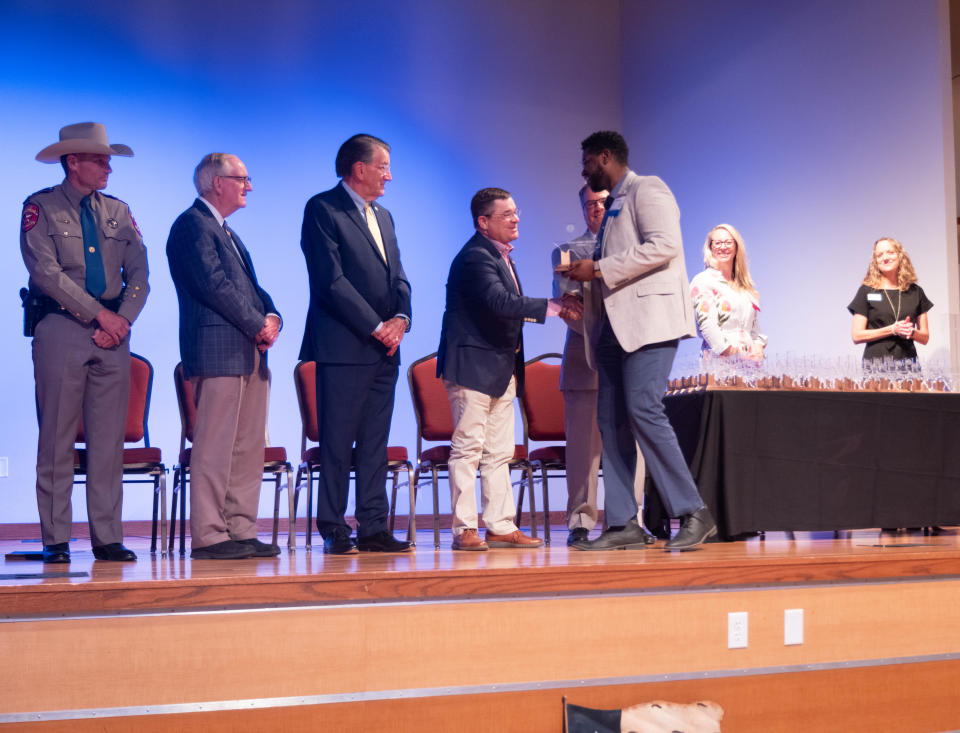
<point>226,550</point>
<point>260,549</point>
<point>339,543</point>
<point>578,534</point>
<point>114,552</point>
<point>57,553</point>
<point>695,529</point>
<point>382,541</point>
<point>629,537</point>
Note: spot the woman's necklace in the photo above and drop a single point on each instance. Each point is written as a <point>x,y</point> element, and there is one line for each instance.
<point>896,315</point>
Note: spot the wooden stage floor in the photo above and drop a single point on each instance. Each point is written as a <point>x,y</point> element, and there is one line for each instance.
<point>174,583</point>
<point>402,642</point>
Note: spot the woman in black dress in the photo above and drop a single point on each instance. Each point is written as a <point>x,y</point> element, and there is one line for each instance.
<point>890,309</point>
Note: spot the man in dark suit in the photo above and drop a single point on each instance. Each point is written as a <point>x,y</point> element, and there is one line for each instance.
<point>227,323</point>
<point>481,361</point>
<point>359,312</point>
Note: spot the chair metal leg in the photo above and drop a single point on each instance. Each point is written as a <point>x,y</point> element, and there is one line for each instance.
<point>393,498</point>
<point>546,506</point>
<point>291,511</point>
<point>276,505</point>
<point>519,516</point>
<point>310,510</point>
<point>175,494</point>
<point>412,517</point>
<point>528,473</point>
<point>436,511</point>
<point>156,510</point>
<point>163,512</point>
<point>184,481</point>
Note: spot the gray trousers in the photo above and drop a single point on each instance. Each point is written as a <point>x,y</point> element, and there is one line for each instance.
<point>76,377</point>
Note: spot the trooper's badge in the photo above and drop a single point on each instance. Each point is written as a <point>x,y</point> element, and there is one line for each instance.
<point>112,223</point>
<point>31,212</point>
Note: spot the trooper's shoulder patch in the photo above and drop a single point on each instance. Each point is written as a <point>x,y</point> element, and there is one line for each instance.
<point>31,212</point>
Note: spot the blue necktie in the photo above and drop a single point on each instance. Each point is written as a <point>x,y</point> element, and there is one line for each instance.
<point>96,280</point>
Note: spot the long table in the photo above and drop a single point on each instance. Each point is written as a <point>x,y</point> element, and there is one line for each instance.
<point>809,460</point>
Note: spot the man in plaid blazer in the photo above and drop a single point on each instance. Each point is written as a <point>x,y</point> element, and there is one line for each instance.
<point>227,323</point>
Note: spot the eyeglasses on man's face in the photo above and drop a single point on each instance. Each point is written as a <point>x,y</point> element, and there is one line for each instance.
<point>244,180</point>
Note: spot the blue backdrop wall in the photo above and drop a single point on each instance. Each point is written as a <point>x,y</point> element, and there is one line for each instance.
<point>814,128</point>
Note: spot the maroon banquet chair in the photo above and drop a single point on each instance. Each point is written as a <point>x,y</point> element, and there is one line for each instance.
<point>275,467</point>
<point>542,408</point>
<point>435,424</point>
<point>305,380</point>
<point>145,461</point>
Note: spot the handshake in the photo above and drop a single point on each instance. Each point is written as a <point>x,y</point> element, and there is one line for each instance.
<point>571,307</point>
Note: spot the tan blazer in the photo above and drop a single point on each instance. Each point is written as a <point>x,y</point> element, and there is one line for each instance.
<point>644,287</point>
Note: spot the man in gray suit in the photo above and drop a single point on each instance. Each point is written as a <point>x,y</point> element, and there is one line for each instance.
<point>578,382</point>
<point>636,309</point>
<point>227,323</point>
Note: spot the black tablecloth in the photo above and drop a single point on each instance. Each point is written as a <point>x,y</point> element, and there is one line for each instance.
<point>798,460</point>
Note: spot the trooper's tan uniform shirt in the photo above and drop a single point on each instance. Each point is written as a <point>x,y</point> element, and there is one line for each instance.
<point>73,375</point>
<point>51,241</point>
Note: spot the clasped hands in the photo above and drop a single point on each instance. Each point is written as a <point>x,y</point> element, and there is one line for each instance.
<point>111,330</point>
<point>269,333</point>
<point>391,334</point>
<point>903,329</point>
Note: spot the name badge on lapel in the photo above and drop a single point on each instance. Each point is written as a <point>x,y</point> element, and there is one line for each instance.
<point>874,296</point>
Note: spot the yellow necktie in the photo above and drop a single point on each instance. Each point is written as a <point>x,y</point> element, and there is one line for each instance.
<point>374,230</point>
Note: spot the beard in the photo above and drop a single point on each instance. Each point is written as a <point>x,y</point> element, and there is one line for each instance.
<point>598,182</point>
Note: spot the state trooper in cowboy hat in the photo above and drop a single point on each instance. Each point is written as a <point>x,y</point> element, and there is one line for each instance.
<point>88,281</point>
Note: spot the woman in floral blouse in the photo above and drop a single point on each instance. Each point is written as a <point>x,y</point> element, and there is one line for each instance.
<point>724,299</point>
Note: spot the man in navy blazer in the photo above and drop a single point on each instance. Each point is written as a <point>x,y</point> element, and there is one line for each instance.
<point>227,323</point>
<point>359,312</point>
<point>481,361</point>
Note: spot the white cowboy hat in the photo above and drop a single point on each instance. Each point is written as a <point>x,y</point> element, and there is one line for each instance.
<point>83,137</point>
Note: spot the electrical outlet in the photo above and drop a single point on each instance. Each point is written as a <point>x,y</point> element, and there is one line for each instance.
<point>792,626</point>
<point>737,630</point>
<point>4,467</point>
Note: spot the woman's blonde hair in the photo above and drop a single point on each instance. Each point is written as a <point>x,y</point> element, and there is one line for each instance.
<point>906,276</point>
<point>741,269</point>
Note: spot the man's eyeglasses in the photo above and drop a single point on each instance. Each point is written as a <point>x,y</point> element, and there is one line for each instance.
<point>513,214</point>
<point>244,180</point>
<point>594,204</point>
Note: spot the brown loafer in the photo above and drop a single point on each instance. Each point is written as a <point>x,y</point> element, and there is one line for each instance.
<point>515,539</point>
<point>469,540</point>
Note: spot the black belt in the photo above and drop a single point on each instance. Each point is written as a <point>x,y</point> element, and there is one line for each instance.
<point>49,305</point>
<point>36,306</point>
